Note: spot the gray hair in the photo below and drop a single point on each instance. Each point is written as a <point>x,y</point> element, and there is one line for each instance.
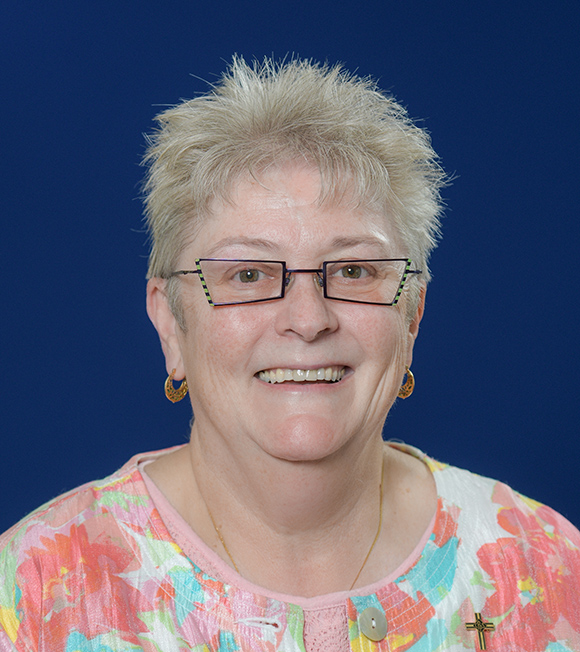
<point>270,113</point>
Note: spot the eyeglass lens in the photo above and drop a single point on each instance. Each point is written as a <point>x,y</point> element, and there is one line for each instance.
<point>247,281</point>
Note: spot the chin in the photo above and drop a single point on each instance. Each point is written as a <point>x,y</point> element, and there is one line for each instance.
<point>304,438</point>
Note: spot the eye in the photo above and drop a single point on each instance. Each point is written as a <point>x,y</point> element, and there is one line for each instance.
<point>352,271</point>
<point>249,275</point>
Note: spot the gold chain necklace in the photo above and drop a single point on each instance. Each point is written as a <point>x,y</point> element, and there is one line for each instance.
<point>215,527</point>
<point>378,529</point>
<point>220,537</point>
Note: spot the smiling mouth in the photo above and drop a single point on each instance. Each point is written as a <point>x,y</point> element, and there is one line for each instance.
<point>284,375</point>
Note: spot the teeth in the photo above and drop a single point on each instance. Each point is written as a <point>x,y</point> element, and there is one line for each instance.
<point>331,374</point>
<point>298,375</point>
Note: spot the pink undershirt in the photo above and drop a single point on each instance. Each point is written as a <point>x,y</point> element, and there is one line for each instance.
<point>325,619</point>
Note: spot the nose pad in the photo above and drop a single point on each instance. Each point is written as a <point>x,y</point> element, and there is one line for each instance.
<point>318,277</point>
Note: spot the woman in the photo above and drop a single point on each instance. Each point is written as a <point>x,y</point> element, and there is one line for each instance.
<point>292,212</point>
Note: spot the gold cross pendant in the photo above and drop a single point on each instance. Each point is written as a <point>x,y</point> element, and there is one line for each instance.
<point>481,628</point>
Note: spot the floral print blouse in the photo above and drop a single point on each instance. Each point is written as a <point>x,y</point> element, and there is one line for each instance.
<point>97,570</point>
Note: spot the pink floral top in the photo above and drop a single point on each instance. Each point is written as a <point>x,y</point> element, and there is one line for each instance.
<point>97,570</point>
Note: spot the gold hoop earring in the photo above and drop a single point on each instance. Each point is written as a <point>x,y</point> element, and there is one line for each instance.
<point>172,393</point>
<point>408,386</point>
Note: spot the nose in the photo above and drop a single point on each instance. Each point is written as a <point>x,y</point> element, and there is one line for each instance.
<point>317,278</point>
<point>304,310</point>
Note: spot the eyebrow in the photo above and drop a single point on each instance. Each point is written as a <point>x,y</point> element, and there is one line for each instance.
<point>341,242</point>
<point>257,243</point>
<point>345,242</point>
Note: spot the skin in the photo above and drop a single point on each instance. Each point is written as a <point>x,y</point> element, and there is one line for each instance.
<point>290,471</point>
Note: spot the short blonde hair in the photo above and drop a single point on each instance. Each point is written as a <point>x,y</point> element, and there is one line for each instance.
<point>268,113</point>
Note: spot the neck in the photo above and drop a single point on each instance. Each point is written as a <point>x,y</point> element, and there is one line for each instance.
<point>289,496</point>
<point>302,529</point>
<point>277,522</point>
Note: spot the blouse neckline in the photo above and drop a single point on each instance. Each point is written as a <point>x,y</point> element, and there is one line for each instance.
<point>209,562</point>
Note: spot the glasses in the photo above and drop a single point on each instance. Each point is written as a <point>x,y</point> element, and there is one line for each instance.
<point>228,282</point>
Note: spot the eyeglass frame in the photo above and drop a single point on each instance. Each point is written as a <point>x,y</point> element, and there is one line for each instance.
<point>286,278</point>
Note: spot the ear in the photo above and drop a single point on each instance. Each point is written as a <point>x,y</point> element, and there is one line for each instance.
<point>414,325</point>
<point>166,325</point>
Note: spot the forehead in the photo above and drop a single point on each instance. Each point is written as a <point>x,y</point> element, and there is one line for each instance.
<point>285,209</point>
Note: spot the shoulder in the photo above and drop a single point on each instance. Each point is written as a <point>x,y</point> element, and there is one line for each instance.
<point>482,502</point>
<point>523,555</point>
<point>510,558</point>
<point>76,505</point>
<point>101,502</point>
<point>493,504</point>
<point>76,540</point>
<point>503,536</point>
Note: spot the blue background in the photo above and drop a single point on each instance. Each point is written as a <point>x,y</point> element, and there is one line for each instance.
<point>496,84</point>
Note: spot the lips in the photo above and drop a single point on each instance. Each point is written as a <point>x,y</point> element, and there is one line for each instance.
<point>282,375</point>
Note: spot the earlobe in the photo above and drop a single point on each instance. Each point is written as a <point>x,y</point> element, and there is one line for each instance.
<point>166,325</point>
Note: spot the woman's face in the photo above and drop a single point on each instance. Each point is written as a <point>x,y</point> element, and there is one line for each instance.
<point>224,349</point>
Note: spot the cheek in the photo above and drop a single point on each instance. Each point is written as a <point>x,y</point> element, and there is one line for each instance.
<point>221,340</point>
<point>382,333</point>
<point>389,359</point>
